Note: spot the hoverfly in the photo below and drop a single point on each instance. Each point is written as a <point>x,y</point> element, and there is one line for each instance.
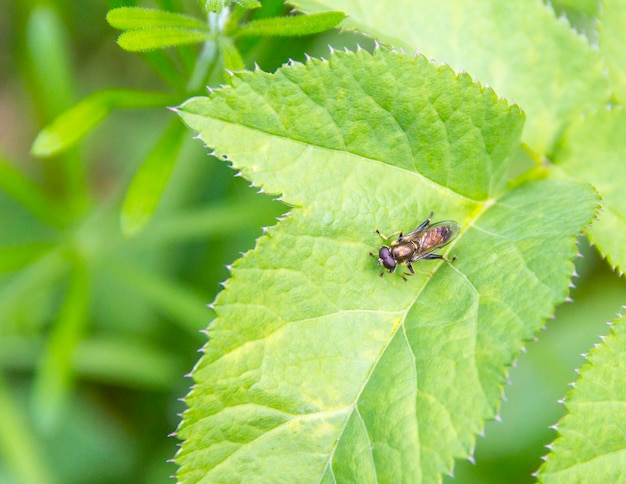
<point>419,244</point>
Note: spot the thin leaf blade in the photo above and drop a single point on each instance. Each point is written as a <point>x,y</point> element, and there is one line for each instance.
<point>131,18</point>
<point>291,26</point>
<point>75,123</point>
<point>160,38</point>
<point>150,181</point>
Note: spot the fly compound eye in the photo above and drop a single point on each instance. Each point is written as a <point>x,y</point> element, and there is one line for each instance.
<point>385,258</point>
<point>389,263</point>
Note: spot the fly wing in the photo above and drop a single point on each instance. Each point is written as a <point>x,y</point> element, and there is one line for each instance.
<point>438,235</point>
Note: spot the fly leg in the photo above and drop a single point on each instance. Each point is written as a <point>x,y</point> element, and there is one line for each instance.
<point>425,223</point>
<point>387,237</point>
<point>410,273</point>
<point>438,256</point>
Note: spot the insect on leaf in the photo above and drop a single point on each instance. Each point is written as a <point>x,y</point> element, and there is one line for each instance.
<point>318,370</point>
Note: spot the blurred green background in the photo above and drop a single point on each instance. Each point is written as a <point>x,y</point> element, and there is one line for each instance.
<point>97,330</point>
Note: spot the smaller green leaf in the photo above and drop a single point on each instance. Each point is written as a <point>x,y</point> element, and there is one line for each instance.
<point>126,363</point>
<point>42,276</point>
<point>23,459</point>
<point>612,41</point>
<point>291,26</point>
<point>249,3</point>
<point>591,443</point>
<point>55,376</point>
<point>186,308</point>
<point>75,123</point>
<point>593,150</point>
<point>48,48</point>
<point>29,195</point>
<point>14,258</point>
<point>132,18</point>
<point>216,6</point>
<point>230,55</point>
<point>150,39</point>
<point>150,181</point>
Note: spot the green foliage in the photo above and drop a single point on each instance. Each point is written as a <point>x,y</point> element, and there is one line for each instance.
<point>216,6</point>
<point>71,126</point>
<point>148,29</point>
<point>592,150</point>
<point>149,183</point>
<point>591,438</point>
<point>290,26</point>
<point>364,364</point>
<point>497,43</point>
<point>612,40</point>
<point>366,374</point>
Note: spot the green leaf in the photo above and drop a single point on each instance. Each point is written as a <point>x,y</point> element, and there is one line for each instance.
<point>518,47</point>
<point>587,7</point>
<point>590,447</point>
<point>230,55</point>
<point>14,258</point>
<point>593,150</point>
<point>150,181</point>
<point>249,4</point>
<point>22,455</point>
<point>130,18</point>
<point>612,41</point>
<point>290,26</point>
<point>318,370</point>
<point>29,195</point>
<point>150,39</point>
<point>149,29</point>
<point>55,374</point>
<point>71,126</point>
<point>123,362</point>
<point>216,6</point>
